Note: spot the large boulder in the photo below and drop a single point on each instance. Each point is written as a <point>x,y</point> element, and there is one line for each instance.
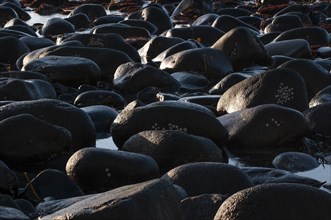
<point>167,115</point>
<point>276,201</point>
<point>130,78</point>
<point>98,169</point>
<point>279,86</point>
<point>243,48</point>
<point>27,139</point>
<point>171,148</point>
<point>264,126</point>
<point>19,90</point>
<point>71,71</point>
<point>57,113</point>
<point>317,118</point>
<point>316,77</point>
<point>212,63</point>
<point>208,177</point>
<point>101,56</point>
<point>155,199</point>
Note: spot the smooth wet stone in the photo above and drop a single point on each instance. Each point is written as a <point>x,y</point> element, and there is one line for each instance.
<point>102,117</point>
<point>264,175</point>
<point>71,71</point>
<point>25,206</point>
<point>14,49</point>
<point>186,45</point>
<point>276,201</point>
<point>206,19</point>
<point>160,115</point>
<point>26,58</point>
<point>34,141</point>
<point>325,62</point>
<point>80,21</point>
<point>101,56</point>
<point>51,183</point>
<point>323,96</point>
<point>97,169</point>
<point>156,15</point>
<point>226,22</point>
<point>7,201</point>
<point>279,86</point>
<point>208,178</point>
<point>283,23</point>
<point>16,21</point>
<point>278,60</point>
<point>112,41</point>
<point>107,19</point>
<point>202,207</point>
<point>227,82</point>
<point>191,82</point>
<point>19,90</point>
<point>7,213</point>
<point>157,45</point>
<point>24,75</point>
<point>55,112</point>
<point>24,29</point>
<point>268,37</point>
<point>295,48</point>
<point>22,14</point>
<point>131,78</point>
<point>152,29</point>
<point>155,199</point>
<point>6,14</point>
<point>8,179</point>
<point>4,32</point>
<point>316,77</point>
<point>171,148</point>
<point>206,35</point>
<point>314,35</point>
<point>242,54</point>
<point>100,97</point>
<point>295,162</point>
<point>212,63</point>
<point>93,11</point>
<point>49,206</point>
<point>56,26</point>
<point>324,52</point>
<point>318,118</point>
<point>125,31</point>
<point>35,43</point>
<point>267,125</point>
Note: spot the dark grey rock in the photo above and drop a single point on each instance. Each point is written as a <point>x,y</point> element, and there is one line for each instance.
<point>212,63</point>
<point>202,207</point>
<point>51,183</point>
<point>279,86</point>
<point>295,162</point>
<point>267,125</point>
<point>72,71</point>
<point>97,169</point>
<point>208,177</point>
<point>56,112</point>
<point>276,201</point>
<point>19,90</point>
<point>155,199</point>
<point>171,148</point>
<point>27,139</point>
<point>160,115</point>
